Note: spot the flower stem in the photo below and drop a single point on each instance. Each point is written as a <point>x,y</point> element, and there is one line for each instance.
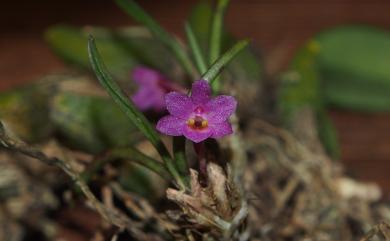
<point>179,154</point>
<point>200,152</point>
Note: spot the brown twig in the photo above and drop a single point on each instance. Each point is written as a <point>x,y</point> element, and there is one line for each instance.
<point>113,216</point>
<point>378,229</point>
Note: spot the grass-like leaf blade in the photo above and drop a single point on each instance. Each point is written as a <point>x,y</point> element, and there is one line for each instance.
<point>216,30</point>
<point>138,119</point>
<point>216,36</point>
<point>218,65</point>
<point>135,11</point>
<point>200,62</point>
<point>131,154</point>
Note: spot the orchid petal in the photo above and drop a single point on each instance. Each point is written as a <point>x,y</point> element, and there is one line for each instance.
<point>221,129</point>
<point>220,108</point>
<point>178,104</point>
<point>201,92</point>
<point>196,135</point>
<point>171,125</point>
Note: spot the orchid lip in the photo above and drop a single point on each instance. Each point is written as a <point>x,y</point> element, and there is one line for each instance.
<point>197,123</point>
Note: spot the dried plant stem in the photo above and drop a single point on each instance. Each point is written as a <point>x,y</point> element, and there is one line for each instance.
<point>200,152</point>
<point>143,209</point>
<point>112,216</point>
<point>382,228</point>
<point>295,149</point>
<point>239,159</point>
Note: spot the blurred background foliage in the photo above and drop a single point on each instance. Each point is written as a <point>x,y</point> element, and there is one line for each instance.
<point>329,67</point>
<point>341,67</point>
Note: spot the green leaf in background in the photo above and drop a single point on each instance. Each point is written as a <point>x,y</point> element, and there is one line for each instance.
<point>197,54</point>
<point>300,86</point>
<point>328,134</point>
<point>354,63</point>
<point>135,11</point>
<point>82,121</point>
<point>113,125</point>
<point>122,49</point>
<point>69,106</point>
<point>217,30</point>
<point>148,50</point>
<point>357,95</point>
<point>71,44</point>
<point>25,111</point>
<point>300,90</point>
<point>73,118</point>
<point>142,181</point>
<point>200,22</point>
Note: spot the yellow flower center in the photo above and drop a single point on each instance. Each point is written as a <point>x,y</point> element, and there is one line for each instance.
<point>197,123</point>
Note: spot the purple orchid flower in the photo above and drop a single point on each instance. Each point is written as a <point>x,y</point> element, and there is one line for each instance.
<point>198,116</point>
<point>153,86</point>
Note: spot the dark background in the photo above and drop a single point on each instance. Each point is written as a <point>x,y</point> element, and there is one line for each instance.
<point>278,27</point>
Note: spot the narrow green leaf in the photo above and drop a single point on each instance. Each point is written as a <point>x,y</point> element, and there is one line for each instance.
<point>179,153</point>
<point>216,36</point>
<point>131,154</point>
<point>138,119</point>
<point>136,173</point>
<point>200,21</point>
<point>218,65</point>
<point>134,155</point>
<point>116,93</point>
<point>135,11</point>
<point>216,30</point>
<point>196,51</point>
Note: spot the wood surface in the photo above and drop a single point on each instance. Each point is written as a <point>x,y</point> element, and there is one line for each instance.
<point>277,27</point>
